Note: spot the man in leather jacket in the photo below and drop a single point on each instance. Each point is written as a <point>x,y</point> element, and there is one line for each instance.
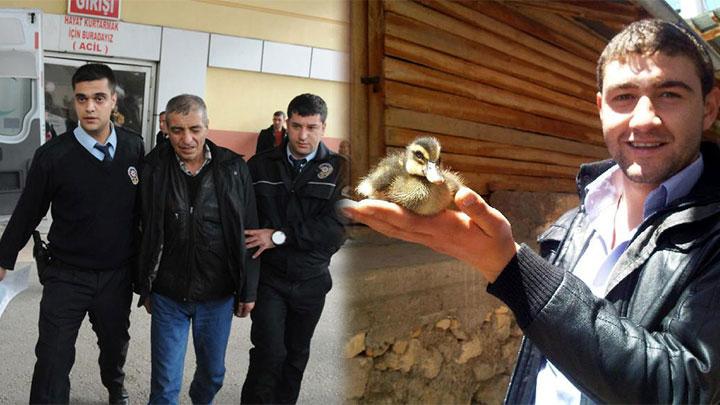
<point>197,200</point>
<point>624,305</point>
<point>297,185</point>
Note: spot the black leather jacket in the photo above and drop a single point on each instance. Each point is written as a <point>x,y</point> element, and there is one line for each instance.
<point>237,212</point>
<point>656,336</point>
<point>303,208</point>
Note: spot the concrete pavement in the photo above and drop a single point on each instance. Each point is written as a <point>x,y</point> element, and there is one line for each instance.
<point>18,333</point>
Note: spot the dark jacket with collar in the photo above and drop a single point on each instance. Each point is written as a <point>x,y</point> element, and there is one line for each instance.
<point>94,206</point>
<point>303,208</point>
<point>655,338</point>
<point>266,139</point>
<point>236,209</point>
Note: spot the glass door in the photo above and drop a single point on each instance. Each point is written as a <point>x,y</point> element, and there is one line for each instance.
<point>134,94</point>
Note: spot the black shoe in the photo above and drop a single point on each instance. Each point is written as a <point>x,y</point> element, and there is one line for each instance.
<point>118,397</point>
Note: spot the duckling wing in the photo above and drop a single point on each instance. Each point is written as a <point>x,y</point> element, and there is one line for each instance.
<point>377,182</point>
<point>453,180</point>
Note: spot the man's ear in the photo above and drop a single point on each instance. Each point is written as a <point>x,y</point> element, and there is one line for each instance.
<point>712,102</point>
<point>598,101</point>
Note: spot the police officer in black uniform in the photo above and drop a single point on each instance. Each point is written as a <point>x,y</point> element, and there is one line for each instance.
<point>90,177</point>
<point>297,185</point>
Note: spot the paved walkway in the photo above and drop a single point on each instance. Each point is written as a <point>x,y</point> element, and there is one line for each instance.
<point>18,334</point>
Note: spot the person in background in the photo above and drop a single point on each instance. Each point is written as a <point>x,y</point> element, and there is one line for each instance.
<point>272,136</point>
<point>161,136</point>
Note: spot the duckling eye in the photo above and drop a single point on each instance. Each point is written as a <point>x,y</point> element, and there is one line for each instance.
<point>419,155</point>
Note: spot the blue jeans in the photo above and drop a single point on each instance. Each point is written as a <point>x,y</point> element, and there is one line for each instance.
<point>171,320</point>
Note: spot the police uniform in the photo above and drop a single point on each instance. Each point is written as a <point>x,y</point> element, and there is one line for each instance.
<point>93,244</point>
<point>294,275</point>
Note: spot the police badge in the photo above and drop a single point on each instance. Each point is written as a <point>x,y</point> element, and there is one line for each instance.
<point>133,174</point>
<point>325,170</point>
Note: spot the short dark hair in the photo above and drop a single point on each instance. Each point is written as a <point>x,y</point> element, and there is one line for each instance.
<point>94,71</point>
<point>183,104</point>
<point>279,113</point>
<point>306,105</point>
<point>650,36</point>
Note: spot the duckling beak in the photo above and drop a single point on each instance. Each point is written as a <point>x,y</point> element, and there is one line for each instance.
<point>433,174</point>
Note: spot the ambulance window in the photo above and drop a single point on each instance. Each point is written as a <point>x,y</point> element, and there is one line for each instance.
<point>15,104</point>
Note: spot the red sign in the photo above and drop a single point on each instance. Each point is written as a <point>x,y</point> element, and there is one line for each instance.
<point>95,8</point>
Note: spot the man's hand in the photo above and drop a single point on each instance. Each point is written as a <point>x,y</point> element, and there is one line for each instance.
<point>2,273</point>
<point>260,238</point>
<point>479,235</point>
<point>148,305</point>
<point>244,308</point>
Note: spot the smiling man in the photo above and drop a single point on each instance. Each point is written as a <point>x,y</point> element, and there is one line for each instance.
<point>195,272</point>
<point>297,184</point>
<point>623,306</point>
<point>90,176</point>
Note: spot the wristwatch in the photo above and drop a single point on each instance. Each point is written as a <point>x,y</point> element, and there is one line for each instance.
<point>278,238</point>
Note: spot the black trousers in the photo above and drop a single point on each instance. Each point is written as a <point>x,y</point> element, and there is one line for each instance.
<point>69,294</point>
<point>283,322</point>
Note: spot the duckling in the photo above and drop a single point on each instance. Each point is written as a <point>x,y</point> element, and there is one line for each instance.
<point>413,179</point>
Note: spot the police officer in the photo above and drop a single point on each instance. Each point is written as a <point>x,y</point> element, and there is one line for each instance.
<point>296,186</point>
<point>90,176</point>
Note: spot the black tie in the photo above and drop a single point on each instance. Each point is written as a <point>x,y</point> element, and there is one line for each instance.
<point>105,149</point>
<point>298,164</point>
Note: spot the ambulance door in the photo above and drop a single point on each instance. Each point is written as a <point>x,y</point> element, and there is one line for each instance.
<point>21,100</point>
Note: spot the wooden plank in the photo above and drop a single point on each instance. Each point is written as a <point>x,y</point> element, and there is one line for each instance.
<point>450,64</point>
<point>432,79</point>
<point>415,98</point>
<point>486,183</point>
<point>482,132</point>
<point>401,137</point>
<point>486,38</point>
<point>477,164</point>
<point>606,11</point>
<point>510,34</point>
<point>376,103</point>
<point>511,17</point>
<point>564,26</point>
<point>359,159</point>
<point>441,41</point>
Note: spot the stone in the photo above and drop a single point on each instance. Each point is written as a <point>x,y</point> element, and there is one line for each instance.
<point>456,331</point>
<point>509,351</point>
<point>502,326</point>
<point>358,373</point>
<point>416,332</point>
<point>355,345</point>
<point>483,372</point>
<point>400,346</point>
<point>502,310</point>
<point>448,347</point>
<point>409,358</point>
<point>389,361</point>
<point>469,350</point>
<point>431,365</point>
<point>443,324</point>
<point>377,351</point>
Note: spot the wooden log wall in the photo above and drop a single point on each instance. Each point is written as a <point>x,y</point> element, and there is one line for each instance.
<point>508,87</point>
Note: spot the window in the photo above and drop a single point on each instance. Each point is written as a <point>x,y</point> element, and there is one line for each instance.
<point>15,104</point>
